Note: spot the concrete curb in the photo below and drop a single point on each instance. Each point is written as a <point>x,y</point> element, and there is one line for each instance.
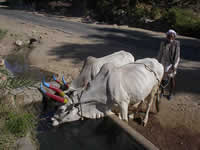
<point>141,141</point>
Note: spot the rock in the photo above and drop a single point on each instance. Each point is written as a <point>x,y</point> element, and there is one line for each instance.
<point>2,62</point>
<point>27,95</point>
<point>27,42</point>
<point>25,143</point>
<point>32,40</point>
<point>3,92</point>
<point>8,100</point>
<point>17,91</point>
<point>19,43</point>
<point>19,99</point>
<point>33,31</point>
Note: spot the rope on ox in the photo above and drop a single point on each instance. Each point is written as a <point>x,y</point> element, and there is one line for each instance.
<point>159,82</point>
<point>150,70</point>
<point>79,99</point>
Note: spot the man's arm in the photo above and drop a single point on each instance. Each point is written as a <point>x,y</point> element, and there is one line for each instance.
<point>176,55</point>
<point>160,53</point>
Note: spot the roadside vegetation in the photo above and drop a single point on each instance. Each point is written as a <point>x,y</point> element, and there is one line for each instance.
<point>181,15</point>
<point>2,33</point>
<point>185,21</point>
<point>15,122</point>
<point>13,125</point>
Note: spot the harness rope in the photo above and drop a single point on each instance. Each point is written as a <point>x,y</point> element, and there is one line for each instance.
<point>150,70</point>
<point>146,66</point>
<point>79,97</point>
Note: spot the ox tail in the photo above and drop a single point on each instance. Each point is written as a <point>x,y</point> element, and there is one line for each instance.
<point>158,98</point>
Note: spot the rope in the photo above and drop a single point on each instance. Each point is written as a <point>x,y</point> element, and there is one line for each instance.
<point>79,99</point>
<point>150,70</point>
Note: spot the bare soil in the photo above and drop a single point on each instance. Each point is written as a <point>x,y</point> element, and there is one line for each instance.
<point>175,127</point>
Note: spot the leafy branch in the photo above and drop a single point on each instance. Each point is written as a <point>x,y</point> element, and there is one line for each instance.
<point>13,82</point>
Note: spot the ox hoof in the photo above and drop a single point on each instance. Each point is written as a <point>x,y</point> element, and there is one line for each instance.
<point>119,116</point>
<point>126,121</point>
<point>131,116</point>
<point>144,123</point>
<point>98,115</point>
<point>109,113</point>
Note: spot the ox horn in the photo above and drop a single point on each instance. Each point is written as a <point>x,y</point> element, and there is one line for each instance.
<point>60,92</point>
<point>64,82</point>
<point>61,83</point>
<point>58,81</point>
<point>54,97</point>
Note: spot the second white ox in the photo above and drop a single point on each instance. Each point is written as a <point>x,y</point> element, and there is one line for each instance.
<point>131,83</point>
<point>93,65</point>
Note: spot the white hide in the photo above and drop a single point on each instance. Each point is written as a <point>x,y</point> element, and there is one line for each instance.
<point>93,65</point>
<point>130,83</point>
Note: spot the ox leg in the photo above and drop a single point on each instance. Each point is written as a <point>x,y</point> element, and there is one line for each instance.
<point>137,107</point>
<point>124,111</point>
<point>153,92</point>
<point>147,113</point>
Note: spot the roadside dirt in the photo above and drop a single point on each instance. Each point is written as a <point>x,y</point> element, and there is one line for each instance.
<point>175,127</point>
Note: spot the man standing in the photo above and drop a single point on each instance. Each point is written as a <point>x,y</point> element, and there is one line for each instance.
<point>169,57</point>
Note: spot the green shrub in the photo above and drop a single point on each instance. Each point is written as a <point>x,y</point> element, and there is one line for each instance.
<point>140,12</point>
<point>183,21</point>
<point>2,33</point>
<point>155,13</point>
<point>19,123</point>
<point>136,16</point>
<point>14,124</point>
<point>104,10</point>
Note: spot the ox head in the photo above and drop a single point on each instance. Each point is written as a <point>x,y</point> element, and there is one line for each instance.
<point>89,102</point>
<point>65,114</point>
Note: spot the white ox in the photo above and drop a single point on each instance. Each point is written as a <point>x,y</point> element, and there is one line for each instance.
<point>131,83</point>
<point>93,65</point>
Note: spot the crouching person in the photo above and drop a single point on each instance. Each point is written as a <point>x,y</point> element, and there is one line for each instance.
<point>169,57</point>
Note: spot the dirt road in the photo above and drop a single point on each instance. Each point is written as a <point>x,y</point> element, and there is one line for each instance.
<point>176,126</point>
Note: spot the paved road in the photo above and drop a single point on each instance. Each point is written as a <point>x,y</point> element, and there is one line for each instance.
<point>145,44</point>
<point>66,26</point>
<point>70,27</point>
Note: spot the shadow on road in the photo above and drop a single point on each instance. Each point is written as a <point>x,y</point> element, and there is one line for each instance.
<point>140,44</point>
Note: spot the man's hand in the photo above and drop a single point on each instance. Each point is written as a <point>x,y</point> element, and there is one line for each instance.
<point>171,70</point>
